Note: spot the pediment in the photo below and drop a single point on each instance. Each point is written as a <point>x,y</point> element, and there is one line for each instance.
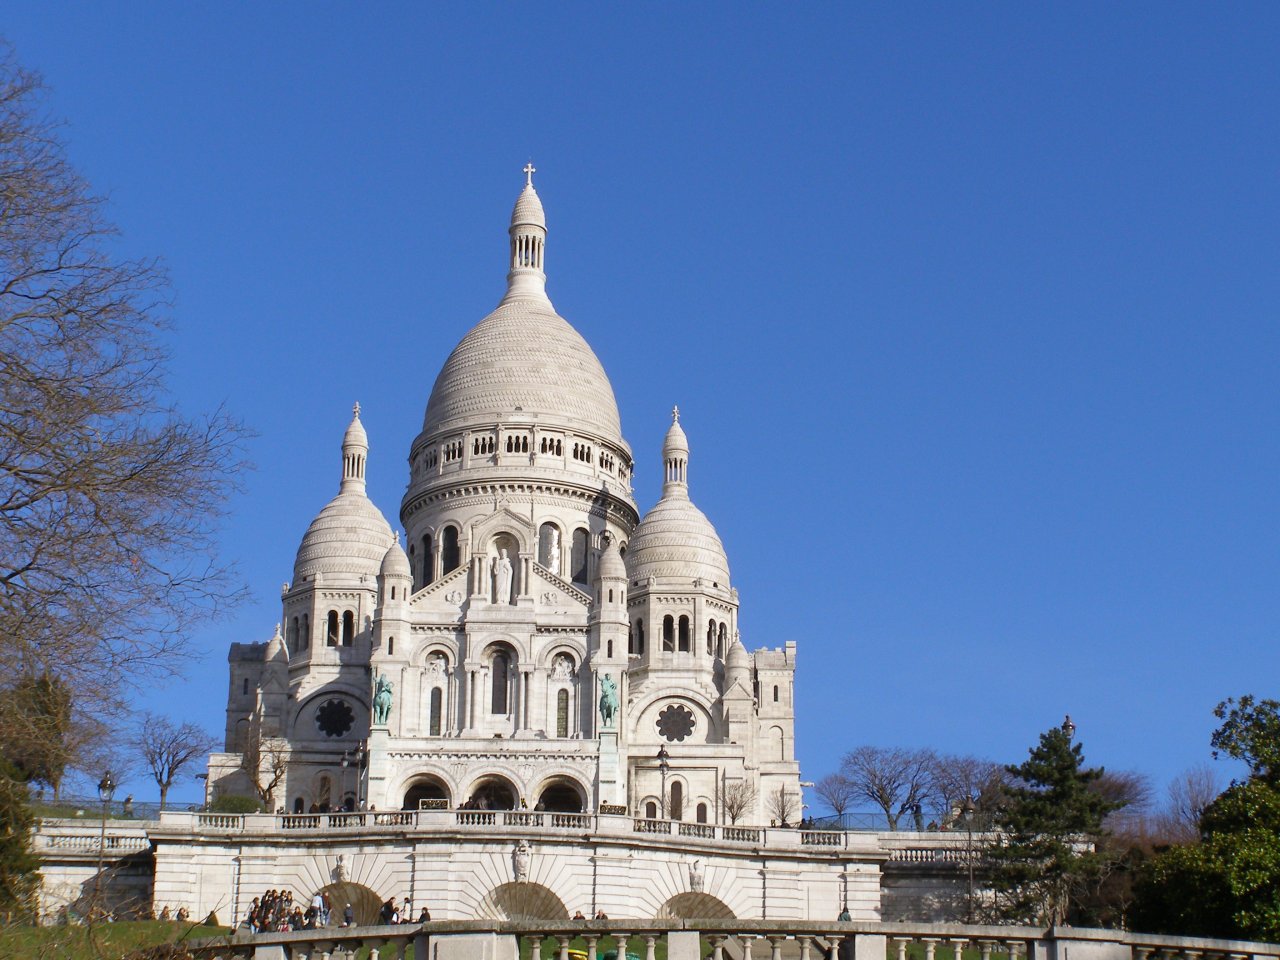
<point>553,593</point>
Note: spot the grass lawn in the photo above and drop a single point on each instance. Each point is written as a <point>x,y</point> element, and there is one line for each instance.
<point>106,941</point>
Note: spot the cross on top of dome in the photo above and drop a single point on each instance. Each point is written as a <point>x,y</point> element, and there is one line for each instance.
<point>529,171</point>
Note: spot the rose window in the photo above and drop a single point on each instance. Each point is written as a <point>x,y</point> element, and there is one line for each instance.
<point>334,718</point>
<point>675,722</point>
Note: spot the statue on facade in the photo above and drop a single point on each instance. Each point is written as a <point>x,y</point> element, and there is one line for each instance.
<point>608,700</point>
<point>520,858</point>
<point>561,667</point>
<point>695,876</point>
<point>381,700</point>
<point>553,553</point>
<point>502,577</point>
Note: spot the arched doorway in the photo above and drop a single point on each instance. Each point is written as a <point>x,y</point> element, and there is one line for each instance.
<point>364,902</point>
<point>560,795</point>
<point>695,906</point>
<point>521,901</point>
<point>425,789</point>
<point>493,793</point>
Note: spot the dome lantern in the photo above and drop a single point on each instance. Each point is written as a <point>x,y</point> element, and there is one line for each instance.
<point>675,459</point>
<point>526,278</point>
<point>355,449</point>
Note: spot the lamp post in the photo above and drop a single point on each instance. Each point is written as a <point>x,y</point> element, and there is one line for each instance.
<point>664,765</point>
<point>106,790</point>
<point>968,811</point>
<point>346,762</point>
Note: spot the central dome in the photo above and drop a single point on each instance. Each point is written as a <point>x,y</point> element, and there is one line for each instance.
<point>525,361</point>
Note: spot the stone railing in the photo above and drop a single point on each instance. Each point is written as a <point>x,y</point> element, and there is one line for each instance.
<point>720,939</point>
<point>534,822</point>
<point>76,840</point>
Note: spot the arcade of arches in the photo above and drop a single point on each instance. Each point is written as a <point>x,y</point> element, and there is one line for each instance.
<point>557,795</point>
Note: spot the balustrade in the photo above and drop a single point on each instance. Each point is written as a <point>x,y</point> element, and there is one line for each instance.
<point>718,940</point>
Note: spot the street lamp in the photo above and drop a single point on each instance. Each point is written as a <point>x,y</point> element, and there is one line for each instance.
<point>106,790</point>
<point>1069,728</point>
<point>967,810</point>
<point>664,765</point>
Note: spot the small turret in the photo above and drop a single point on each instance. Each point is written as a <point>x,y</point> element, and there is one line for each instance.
<point>355,448</point>
<point>526,277</point>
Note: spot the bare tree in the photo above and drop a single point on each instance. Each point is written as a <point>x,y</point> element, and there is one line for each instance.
<point>784,806</point>
<point>168,749</point>
<point>1189,794</point>
<point>739,798</point>
<point>964,786</point>
<point>1129,793</point>
<point>108,495</point>
<point>892,778</point>
<point>264,760</point>
<point>836,792</point>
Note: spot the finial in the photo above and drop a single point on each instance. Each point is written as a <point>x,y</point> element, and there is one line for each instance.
<point>356,410</point>
<point>397,538</point>
<point>529,171</point>
<point>675,414</point>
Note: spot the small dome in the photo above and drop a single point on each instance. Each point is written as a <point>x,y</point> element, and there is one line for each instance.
<point>675,539</point>
<point>528,209</point>
<point>395,563</point>
<point>276,652</point>
<point>675,441</point>
<point>349,536</point>
<point>737,658</point>
<point>355,435</point>
<point>611,565</point>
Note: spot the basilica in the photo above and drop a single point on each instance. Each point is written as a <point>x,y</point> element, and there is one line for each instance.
<point>530,641</point>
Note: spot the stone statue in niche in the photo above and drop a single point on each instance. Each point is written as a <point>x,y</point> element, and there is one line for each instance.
<point>381,700</point>
<point>608,700</point>
<point>695,876</point>
<point>339,870</point>
<point>502,578</point>
<point>435,665</point>
<point>562,668</point>
<point>520,857</point>
<point>553,553</point>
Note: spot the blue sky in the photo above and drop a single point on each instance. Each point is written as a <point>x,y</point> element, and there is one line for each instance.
<point>971,311</point>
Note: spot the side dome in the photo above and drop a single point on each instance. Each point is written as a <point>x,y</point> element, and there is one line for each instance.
<point>524,359</point>
<point>350,536</point>
<point>675,539</point>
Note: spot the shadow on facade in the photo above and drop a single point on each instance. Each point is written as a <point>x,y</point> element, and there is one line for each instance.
<point>521,901</point>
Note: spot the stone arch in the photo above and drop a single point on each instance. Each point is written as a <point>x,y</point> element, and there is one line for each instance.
<point>521,901</point>
<point>695,906</point>
<point>561,793</point>
<point>494,792</point>
<point>365,902</point>
<point>425,786</point>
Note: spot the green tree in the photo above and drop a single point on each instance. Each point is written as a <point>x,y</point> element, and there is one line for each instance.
<point>1049,820</point>
<point>1228,884</point>
<point>18,865</point>
<point>35,728</point>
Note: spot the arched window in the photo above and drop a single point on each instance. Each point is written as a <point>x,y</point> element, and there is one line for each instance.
<point>304,638</point>
<point>675,809</point>
<point>437,709</point>
<point>501,677</point>
<point>425,572</point>
<point>720,642</point>
<point>668,634</point>
<point>332,634</point>
<point>348,628</point>
<point>640,637</point>
<point>711,638</point>
<point>291,636</point>
<point>775,694</point>
<point>702,813</point>
<point>684,634</point>
<point>578,557</point>
<point>450,553</point>
<point>391,646</point>
<point>609,650</point>
<point>651,810</point>
<point>631,639</point>
<point>298,806</point>
<point>562,713</point>
<point>245,687</point>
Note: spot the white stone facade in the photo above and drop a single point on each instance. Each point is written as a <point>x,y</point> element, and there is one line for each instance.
<point>528,599</point>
